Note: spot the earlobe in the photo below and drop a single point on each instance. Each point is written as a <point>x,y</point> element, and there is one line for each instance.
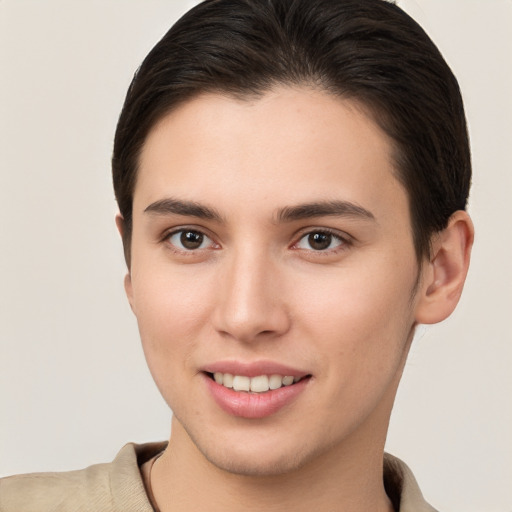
<point>444,275</point>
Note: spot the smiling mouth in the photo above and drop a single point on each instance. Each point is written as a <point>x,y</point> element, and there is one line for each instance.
<point>258,384</point>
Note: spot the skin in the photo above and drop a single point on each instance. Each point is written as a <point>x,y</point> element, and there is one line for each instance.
<point>256,289</point>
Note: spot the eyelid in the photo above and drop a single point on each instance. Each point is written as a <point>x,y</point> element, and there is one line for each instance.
<point>345,239</point>
<point>179,229</point>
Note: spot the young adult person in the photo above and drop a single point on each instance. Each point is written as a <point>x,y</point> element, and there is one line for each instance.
<point>292,178</point>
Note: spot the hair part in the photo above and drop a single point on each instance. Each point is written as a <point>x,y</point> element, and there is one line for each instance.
<point>368,51</point>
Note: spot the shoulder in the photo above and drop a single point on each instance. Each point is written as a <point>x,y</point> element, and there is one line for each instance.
<point>108,487</point>
<point>402,488</point>
<point>55,491</point>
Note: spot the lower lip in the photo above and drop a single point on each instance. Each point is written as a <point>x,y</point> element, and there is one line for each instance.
<point>254,405</point>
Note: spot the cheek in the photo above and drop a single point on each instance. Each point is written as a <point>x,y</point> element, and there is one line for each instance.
<point>169,298</point>
<point>360,317</point>
<point>171,308</point>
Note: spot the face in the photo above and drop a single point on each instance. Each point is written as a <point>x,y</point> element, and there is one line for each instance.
<point>272,276</point>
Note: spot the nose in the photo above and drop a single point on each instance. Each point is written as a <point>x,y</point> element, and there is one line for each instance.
<point>251,303</point>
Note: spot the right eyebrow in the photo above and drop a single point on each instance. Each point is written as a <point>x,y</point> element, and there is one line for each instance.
<point>171,206</point>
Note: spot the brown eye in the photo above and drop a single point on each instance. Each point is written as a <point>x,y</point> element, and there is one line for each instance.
<point>319,241</point>
<point>189,240</point>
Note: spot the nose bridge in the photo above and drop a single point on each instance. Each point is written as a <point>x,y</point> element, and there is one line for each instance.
<point>250,303</point>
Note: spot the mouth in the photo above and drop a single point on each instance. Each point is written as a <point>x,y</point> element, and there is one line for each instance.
<point>258,384</point>
<point>254,390</point>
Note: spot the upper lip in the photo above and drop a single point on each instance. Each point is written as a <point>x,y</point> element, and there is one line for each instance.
<point>253,369</point>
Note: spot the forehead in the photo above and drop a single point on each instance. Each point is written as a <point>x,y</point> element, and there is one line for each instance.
<point>287,146</point>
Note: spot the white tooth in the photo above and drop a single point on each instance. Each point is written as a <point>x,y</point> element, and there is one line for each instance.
<point>241,383</point>
<point>227,380</point>
<point>275,381</point>
<point>259,384</point>
<point>218,377</point>
<point>296,379</point>
<point>287,380</point>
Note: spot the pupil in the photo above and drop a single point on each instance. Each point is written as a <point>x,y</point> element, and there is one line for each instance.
<point>319,241</point>
<point>191,239</point>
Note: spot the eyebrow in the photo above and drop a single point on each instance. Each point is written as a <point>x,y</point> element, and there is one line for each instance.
<point>323,209</point>
<point>170,206</point>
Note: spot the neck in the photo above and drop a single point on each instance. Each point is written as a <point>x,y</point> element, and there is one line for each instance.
<point>341,479</point>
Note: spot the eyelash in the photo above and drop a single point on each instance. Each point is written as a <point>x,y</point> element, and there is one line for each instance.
<point>344,242</point>
<point>168,236</point>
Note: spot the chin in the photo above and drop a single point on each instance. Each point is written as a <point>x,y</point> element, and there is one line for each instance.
<point>257,465</point>
<point>257,458</point>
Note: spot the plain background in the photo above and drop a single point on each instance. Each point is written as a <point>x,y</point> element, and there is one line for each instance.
<point>73,382</point>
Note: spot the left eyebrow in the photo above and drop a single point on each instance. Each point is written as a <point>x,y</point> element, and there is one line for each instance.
<point>323,209</point>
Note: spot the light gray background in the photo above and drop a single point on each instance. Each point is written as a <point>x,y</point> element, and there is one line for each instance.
<point>73,383</point>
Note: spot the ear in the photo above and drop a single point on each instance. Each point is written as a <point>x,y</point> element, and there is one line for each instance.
<point>128,288</point>
<point>443,276</point>
<point>120,224</point>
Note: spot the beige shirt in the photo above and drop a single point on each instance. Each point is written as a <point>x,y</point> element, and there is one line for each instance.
<point>118,486</point>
